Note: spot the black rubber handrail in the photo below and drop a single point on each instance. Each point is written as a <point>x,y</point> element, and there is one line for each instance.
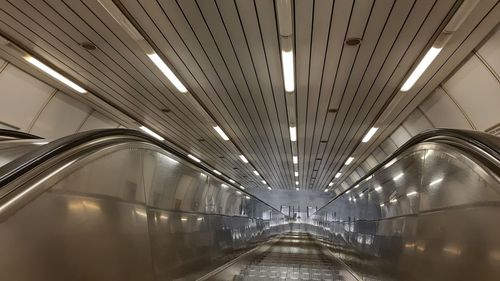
<point>25,163</point>
<point>12,134</point>
<point>486,143</point>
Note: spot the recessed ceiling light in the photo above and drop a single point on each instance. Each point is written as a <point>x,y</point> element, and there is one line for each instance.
<point>295,159</point>
<point>256,173</point>
<point>293,133</point>
<point>151,133</point>
<point>296,174</point>
<point>243,158</point>
<point>326,190</point>
<point>40,65</point>
<point>221,133</point>
<point>296,183</point>
<point>370,134</point>
<point>330,184</point>
<point>167,72</point>
<point>263,182</point>
<point>349,160</point>
<point>421,67</point>
<point>269,188</point>
<point>338,175</point>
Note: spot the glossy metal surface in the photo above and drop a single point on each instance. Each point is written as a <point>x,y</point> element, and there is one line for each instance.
<point>12,149</point>
<point>124,211</point>
<point>430,214</point>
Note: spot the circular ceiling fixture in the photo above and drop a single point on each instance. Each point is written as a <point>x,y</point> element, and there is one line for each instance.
<point>88,46</point>
<point>354,41</point>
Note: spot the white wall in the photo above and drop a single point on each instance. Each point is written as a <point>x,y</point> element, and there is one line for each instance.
<point>469,99</point>
<point>30,105</point>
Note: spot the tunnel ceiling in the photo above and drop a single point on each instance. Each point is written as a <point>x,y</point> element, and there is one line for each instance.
<point>228,55</point>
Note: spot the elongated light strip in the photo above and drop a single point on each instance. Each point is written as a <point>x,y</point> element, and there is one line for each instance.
<point>326,190</point>
<point>221,133</point>
<point>330,184</point>
<point>242,187</point>
<point>243,158</point>
<point>293,133</point>
<point>151,133</point>
<point>217,172</point>
<point>349,160</point>
<point>167,72</point>
<point>370,134</point>
<point>296,174</point>
<point>295,159</point>
<point>269,188</point>
<point>263,182</point>
<point>434,182</point>
<point>421,67</point>
<point>378,188</point>
<point>288,77</point>
<point>231,181</point>
<point>256,173</point>
<point>55,74</point>
<point>194,158</point>
<point>338,175</point>
<point>411,193</point>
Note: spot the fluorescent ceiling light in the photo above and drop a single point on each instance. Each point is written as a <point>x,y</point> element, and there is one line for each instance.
<point>356,186</point>
<point>394,200</point>
<point>55,74</point>
<point>296,174</point>
<point>264,182</point>
<point>217,172</point>
<point>296,183</point>
<point>326,190</point>
<point>330,184</point>
<point>242,187</point>
<point>151,133</point>
<point>295,159</point>
<point>247,197</point>
<point>338,175</point>
<point>347,192</point>
<point>167,72</point>
<point>238,192</point>
<point>221,133</point>
<point>421,67</point>
<point>297,189</point>
<point>370,134</point>
<point>199,219</point>
<point>256,173</point>
<point>361,195</point>
<point>231,181</point>
<point>434,182</point>
<point>269,188</point>
<point>382,205</point>
<point>194,158</point>
<point>224,185</point>
<point>411,193</point>
<point>243,158</point>
<point>400,175</point>
<point>288,74</point>
<point>349,160</point>
<point>378,188</point>
<point>293,133</point>
<point>354,199</point>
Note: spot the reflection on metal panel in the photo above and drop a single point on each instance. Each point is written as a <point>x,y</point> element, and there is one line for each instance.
<point>432,214</point>
<point>128,211</point>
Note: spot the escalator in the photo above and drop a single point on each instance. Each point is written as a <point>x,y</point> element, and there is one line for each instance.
<point>120,205</point>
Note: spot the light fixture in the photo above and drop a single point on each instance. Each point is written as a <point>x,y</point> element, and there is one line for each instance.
<point>356,186</point>
<point>293,133</point>
<point>194,158</point>
<point>199,219</point>
<point>238,192</point>
<point>338,175</point>
<point>354,199</point>
<point>394,200</point>
<point>231,181</point>
<point>378,188</point>
<point>264,182</point>
<point>184,219</point>
<point>349,160</point>
<point>151,133</point>
<point>421,67</point>
<point>224,185</point>
<point>370,134</point>
<point>326,190</point>
<point>295,159</point>
<point>269,188</point>
<point>434,182</point>
<point>361,195</point>
<point>411,193</point>
<point>242,187</point>
<point>247,197</point>
<point>400,175</point>
<point>255,172</point>
<point>55,74</point>
<point>382,205</point>
<point>217,172</point>
<point>297,189</point>
<point>221,133</point>
<point>330,184</point>
<point>296,174</point>
<point>243,158</point>
<point>347,192</point>
<point>167,72</point>
<point>296,183</point>
<point>288,74</point>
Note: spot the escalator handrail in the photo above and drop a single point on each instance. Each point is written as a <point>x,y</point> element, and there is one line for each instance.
<point>487,145</point>
<point>31,160</point>
<point>13,134</point>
